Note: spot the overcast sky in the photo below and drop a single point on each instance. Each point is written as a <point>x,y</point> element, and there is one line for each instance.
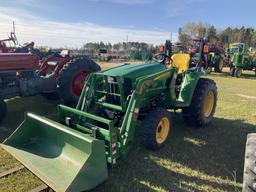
<point>73,23</point>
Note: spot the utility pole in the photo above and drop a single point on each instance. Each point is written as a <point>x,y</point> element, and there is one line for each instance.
<point>13,26</point>
<point>127,39</point>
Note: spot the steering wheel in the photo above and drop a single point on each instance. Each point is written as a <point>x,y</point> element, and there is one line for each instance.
<point>162,58</point>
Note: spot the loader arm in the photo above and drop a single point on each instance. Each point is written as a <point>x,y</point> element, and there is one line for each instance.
<point>125,133</point>
<point>137,100</point>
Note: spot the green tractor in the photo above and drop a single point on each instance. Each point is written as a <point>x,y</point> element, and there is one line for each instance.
<point>242,59</point>
<point>75,153</point>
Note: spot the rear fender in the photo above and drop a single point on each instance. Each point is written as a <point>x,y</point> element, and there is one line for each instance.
<point>188,87</point>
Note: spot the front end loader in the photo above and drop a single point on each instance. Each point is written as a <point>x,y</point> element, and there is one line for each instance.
<point>75,153</point>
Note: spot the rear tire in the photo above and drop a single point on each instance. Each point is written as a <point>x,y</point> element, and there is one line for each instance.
<point>238,72</point>
<point>203,105</point>
<point>156,128</point>
<point>219,64</point>
<point>232,71</point>
<point>249,178</point>
<point>3,109</point>
<point>72,77</point>
<point>208,70</point>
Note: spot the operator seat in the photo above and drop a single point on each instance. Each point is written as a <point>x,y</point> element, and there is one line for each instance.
<point>29,44</point>
<point>181,61</point>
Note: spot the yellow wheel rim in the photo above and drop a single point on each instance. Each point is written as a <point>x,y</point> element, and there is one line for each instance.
<point>208,103</point>
<point>162,130</point>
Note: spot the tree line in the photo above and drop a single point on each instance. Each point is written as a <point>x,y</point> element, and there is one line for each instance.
<point>144,51</point>
<point>135,50</point>
<point>226,36</point>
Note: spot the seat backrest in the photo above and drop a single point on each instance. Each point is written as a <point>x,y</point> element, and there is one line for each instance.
<point>181,61</point>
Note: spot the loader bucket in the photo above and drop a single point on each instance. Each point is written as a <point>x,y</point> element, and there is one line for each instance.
<point>63,158</point>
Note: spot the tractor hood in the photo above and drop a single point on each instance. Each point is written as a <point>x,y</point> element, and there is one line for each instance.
<point>134,71</point>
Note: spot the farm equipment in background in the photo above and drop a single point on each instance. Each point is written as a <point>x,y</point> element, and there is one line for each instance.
<point>216,57</point>
<point>242,59</point>
<point>57,76</point>
<point>107,55</point>
<point>179,48</point>
<point>213,56</point>
<point>228,57</point>
<point>29,48</point>
<point>3,47</point>
<point>25,48</point>
<point>104,55</point>
<point>14,46</point>
<point>11,39</point>
<point>198,51</point>
<point>197,56</point>
<point>74,154</point>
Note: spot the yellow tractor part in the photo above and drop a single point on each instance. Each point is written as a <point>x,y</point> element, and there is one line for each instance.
<point>162,130</point>
<point>208,103</point>
<point>251,52</point>
<point>181,61</point>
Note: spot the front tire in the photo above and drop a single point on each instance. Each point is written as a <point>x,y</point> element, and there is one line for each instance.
<point>156,128</point>
<point>3,109</point>
<point>232,71</point>
<point>203,105</point>
<point>72,77</point>
<point>219,64</point>
<point>238,72</point>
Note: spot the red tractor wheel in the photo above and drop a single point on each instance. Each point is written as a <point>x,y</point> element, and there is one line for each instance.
<point>78,82</point>
<point>72,77</point>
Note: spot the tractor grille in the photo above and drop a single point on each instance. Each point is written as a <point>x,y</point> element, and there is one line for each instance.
<point>108,92</point>
<point>113,90</point>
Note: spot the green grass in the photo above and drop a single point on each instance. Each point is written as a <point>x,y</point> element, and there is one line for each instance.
<point>209,159</point>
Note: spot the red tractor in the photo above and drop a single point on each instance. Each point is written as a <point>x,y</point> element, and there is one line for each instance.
<point>58,75</point>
